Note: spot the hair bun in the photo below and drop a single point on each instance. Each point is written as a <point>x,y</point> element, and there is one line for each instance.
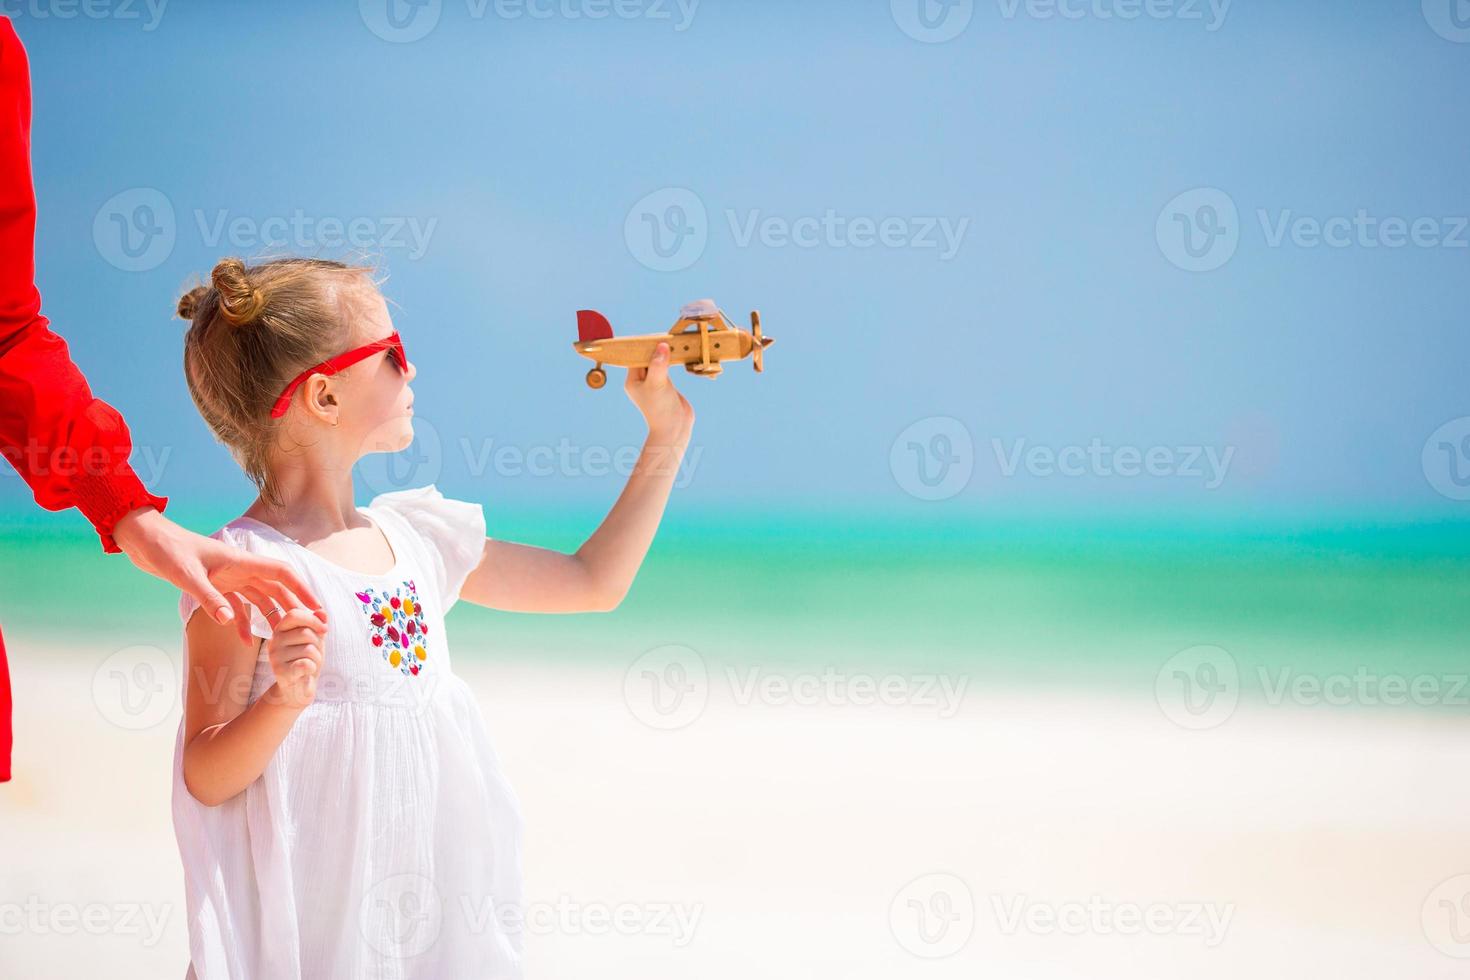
<point>189,302</point>
<point>240,302</point>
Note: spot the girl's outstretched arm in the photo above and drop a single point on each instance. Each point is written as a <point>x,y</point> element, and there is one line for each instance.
<point>522,578</point>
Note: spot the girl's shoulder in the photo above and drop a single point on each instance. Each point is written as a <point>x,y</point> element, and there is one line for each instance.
<point>430,513</point>
<point>252,537</point>
<point>449,534</point>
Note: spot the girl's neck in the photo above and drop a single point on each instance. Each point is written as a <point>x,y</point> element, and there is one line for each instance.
<point>316,502</point>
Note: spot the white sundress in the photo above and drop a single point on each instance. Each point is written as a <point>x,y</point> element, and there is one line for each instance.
<point>382,841</point>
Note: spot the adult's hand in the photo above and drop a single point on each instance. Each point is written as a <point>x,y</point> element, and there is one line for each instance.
<point>223,579</point>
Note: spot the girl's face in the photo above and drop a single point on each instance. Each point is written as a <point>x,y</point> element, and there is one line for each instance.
<point>377,402</point>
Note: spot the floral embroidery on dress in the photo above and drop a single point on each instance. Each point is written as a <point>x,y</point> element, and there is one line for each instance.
<point>398,627</point>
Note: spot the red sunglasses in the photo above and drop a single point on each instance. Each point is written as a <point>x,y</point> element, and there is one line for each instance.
<point>392,343</point>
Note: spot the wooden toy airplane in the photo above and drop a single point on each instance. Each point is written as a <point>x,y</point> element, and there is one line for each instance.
<point>700,339</point>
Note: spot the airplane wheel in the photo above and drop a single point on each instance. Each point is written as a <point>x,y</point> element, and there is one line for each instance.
<point>596,378</point>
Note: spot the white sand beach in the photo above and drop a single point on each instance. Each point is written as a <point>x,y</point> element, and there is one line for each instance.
<point>1031,835</point>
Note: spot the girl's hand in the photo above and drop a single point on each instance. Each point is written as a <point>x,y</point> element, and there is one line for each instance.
<point>295,652</point>
<point>667,412</point>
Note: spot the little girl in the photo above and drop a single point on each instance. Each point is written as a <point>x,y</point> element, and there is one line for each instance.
<point>339,809</point>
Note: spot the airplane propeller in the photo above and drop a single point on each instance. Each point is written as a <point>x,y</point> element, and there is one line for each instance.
<point>761,343</point>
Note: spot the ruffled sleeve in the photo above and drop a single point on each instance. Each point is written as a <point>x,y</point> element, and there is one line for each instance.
<point>453,532</point>
<point>245,541</point>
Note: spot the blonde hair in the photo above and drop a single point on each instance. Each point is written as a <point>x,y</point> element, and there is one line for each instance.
<point>254,328</point>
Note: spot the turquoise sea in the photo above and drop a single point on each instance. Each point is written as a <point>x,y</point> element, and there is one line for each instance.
<point>1086,603</point>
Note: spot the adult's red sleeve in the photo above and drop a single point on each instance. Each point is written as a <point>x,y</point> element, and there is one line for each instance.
<point>72,449</point>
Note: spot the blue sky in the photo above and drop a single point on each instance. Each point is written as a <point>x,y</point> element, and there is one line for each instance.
<point>987,229</point>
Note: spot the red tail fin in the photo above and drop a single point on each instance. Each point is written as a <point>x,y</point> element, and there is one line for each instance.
<point>592,325</point>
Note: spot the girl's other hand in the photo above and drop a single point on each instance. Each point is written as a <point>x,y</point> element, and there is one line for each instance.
<point>665,409</point>
<point>295,652</point>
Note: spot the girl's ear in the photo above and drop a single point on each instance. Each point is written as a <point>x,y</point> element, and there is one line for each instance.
<point>321,401</point>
